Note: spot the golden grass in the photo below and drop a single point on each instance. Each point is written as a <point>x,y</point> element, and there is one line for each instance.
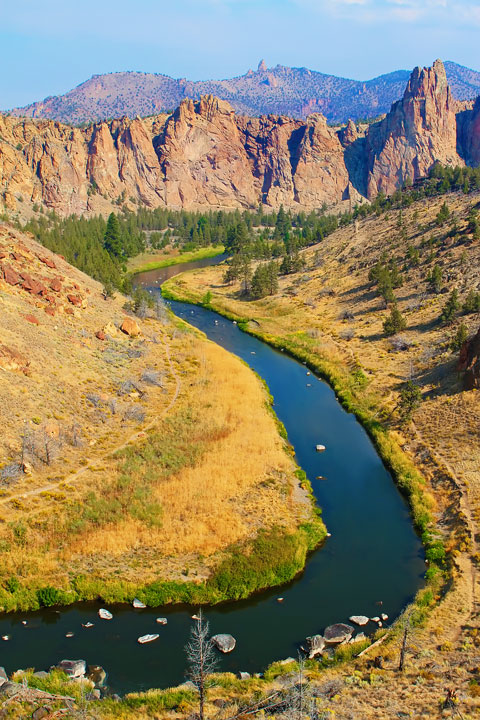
<point>225,497</point>
<point>234,475</point>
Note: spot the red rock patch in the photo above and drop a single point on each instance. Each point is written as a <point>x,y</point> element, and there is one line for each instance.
<point>100,335</point>
<point>10,276</point>
<point>56,285</point>
<point>47,261</point>
<point>75,300</point>
<point>32,319</point>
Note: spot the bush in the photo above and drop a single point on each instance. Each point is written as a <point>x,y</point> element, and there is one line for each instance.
<point>48,596</point>
<point>12,584</point>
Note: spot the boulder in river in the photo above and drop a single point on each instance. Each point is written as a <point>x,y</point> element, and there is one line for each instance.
<point>314,645</point>
<point>73,668</point>
<point>96,674</point>
<point>225,643</point>
<point>338,633</point>
<point>359,619</point>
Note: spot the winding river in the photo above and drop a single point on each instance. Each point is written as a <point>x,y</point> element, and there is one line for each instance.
<point>372,563</point>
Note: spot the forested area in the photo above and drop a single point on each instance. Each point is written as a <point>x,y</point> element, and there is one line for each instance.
<point>102,248</point>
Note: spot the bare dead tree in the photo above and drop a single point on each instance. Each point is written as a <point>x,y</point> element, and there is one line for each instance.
<point>201,659</point>
<point>403,650</point>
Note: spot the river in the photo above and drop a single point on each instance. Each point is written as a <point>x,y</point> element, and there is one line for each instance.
<point>372,563</point>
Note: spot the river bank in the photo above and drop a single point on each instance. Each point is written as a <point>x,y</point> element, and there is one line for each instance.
<point>329,317</point>
<point>154,261</point>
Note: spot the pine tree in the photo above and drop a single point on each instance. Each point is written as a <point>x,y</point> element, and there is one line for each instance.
<point>451,308</point>
<point>395,322</point>
<point>112,240</point>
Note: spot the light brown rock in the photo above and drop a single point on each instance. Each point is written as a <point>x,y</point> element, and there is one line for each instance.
<point>130,327</point>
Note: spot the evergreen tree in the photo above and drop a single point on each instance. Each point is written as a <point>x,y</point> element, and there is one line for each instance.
<point>395,322</point>
<point>451,308</point>
<point>472,303</point>
<point>435,279</point>
<point>112,241</point>
<point>410,399</point>
<point>459,338</point>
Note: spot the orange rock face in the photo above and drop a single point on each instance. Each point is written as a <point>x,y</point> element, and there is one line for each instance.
<point>419,130</point>
<point>206,156</point>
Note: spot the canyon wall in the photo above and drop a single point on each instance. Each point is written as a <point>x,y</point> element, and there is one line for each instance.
<point>204,155</point>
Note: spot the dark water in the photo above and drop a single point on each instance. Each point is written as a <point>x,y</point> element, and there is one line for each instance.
<point>373,554</point>
<point>155,278</point>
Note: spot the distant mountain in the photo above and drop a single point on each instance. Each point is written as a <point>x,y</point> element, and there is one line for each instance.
<point>296,92</point>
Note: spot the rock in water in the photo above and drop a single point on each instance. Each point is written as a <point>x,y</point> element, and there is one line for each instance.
<point>338,633</point>
<point>359,619</point>
<point>314,645</point>
<point>96,674</point>
<point>73,668</point>
<point>223,642</point>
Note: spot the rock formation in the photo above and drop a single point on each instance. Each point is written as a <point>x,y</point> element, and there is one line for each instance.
<point>469,362</point>
<point>205,156</point>
<point>419,130</point>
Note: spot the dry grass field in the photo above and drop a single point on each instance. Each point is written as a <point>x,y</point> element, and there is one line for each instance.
<point>332,311</point>
<point>123,457</point>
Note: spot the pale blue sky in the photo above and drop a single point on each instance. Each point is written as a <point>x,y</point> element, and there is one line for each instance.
<point>49,46</point>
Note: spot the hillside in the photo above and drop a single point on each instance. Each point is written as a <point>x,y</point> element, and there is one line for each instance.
<point>279,90</point>
<point>332,315</point>
<point>120,448</point>
<point>204,156</point>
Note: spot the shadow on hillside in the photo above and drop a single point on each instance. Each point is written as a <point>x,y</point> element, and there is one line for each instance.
<point>443,377</point>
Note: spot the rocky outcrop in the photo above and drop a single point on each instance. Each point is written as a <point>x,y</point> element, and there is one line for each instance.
<point>418,131</point>
<point>205,156</point>
<point>469,362</point>
<point>469,134</point>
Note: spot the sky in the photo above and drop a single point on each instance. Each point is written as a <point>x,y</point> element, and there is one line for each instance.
<point>47,47</point>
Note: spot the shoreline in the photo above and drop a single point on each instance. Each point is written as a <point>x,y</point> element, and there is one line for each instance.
<point>405,475</point>
<point>182,258</point>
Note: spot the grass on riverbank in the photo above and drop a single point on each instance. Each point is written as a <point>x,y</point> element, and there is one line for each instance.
<point>160,259</point>
<point>150,520</point>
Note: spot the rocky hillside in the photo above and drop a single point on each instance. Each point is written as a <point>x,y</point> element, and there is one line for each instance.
<point>280,90</point>
<point>205,156</point>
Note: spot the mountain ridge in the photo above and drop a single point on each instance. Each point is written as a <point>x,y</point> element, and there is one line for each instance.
<point>280,90</point>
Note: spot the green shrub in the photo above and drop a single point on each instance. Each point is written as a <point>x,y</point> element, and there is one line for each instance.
<point>49,596</point>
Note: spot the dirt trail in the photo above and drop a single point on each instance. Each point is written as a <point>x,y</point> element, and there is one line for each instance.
<point>133,438</point>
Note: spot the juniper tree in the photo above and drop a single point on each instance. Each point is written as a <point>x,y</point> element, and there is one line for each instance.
<point>394,323</point>
<point>451,308</point>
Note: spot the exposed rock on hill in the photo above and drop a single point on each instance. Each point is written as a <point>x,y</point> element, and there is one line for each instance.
<point>205,156</point>
<point>469,362</point>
